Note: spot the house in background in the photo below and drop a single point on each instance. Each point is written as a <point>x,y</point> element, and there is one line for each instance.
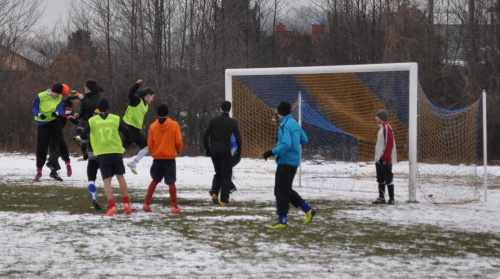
<point>26,59</point>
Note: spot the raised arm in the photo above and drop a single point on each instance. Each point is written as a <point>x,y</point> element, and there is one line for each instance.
<point>133,98</point>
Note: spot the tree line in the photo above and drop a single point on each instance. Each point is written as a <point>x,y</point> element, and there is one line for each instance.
<point>181,48</point>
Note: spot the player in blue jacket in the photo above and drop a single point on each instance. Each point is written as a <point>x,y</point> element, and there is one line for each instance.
<point>287,154</point>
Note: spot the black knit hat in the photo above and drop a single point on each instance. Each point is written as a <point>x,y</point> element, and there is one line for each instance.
<point>57,88</point>
<point>284,108</point>
<point>162,110</point>
<point>383,115</point>
<point>103,104</point>
<point>225,106</point>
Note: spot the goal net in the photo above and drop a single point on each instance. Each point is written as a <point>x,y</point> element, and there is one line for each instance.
<point>336,105</point>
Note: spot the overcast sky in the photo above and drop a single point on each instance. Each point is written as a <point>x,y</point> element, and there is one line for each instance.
<point>54,10</point>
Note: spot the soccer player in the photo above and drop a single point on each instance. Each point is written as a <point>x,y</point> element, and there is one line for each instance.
<point>385,157</point>
<point>134,118</point>
<point>47,107</point>
<point>55,151</point>
<point>92,169</point>
<point>164,143</point>
<point>287,154</point>
<point>87,108</point>
<point>217,143</point>
<point>107,145</point>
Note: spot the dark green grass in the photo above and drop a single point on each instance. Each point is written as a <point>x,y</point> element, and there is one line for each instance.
<point>244,237</point>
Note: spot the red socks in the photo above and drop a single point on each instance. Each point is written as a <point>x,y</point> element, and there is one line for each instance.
<point>173,194</point>
<point>151,190</point>
<point>68,168</point>
<point>111,203</point>
<point>126,199</point>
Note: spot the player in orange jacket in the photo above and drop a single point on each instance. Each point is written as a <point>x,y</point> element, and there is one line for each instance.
<point>164,143</point>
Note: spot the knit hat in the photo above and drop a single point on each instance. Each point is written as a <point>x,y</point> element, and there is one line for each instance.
<point>57,88</point>
<point>162,110</point>
<point>225,106</point>
<point>383,115</point>
<point>284,108</point>
<point>65,90</point>
<point>74,95</point>
<point>103,104</point>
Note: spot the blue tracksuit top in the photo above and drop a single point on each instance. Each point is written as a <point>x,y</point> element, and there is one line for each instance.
<point>290,137</point>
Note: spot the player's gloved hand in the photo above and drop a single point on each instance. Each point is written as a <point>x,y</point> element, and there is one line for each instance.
<point>54,114</point>
<point>85,157</point>
<point>207,152</point>
<point>380,162</point>
<point>42,116</point>
<point>268,154</point>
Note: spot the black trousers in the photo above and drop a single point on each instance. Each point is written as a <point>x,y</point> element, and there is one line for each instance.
<point>223,174</point>
<point>45,134</point>
<point>283,191</point>
<point>234,161</point>
<point>92,168</point>
<point>384,174</point>
<point>134,136</point>
<point>54,154</point>
<point>385,177</point>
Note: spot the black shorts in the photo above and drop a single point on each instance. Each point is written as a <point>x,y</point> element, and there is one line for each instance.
<point>111,164</point>
<point>134,136</point>
<point>163,169</point>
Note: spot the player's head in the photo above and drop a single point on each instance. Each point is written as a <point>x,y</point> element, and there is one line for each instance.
<point>103,104</point>
<point>382,115</point>
<point>74,96</point>
<point>56,89</point>
<point>225,106</point>
<point>284,109</point>
<point>90,85</point>
<point>147,94</point>
<point>162,110</point>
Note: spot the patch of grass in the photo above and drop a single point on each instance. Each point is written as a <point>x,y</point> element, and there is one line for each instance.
<point>240,228</point>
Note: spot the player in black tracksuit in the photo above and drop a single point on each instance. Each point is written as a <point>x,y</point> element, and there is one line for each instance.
<point>87,109</point>
<point>55,152</point>
<point>217,143</point>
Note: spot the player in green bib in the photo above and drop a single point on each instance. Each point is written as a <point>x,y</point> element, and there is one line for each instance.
<point>47,107</point>
<point>134,118</point>
<point>107,146</point>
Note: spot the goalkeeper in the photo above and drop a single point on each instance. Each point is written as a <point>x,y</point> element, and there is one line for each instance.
<point>287,153</point>
<point>385,156</point>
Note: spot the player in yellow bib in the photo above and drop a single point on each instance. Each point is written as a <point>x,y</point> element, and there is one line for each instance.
<point>107,146</point>
<point>47,107</point>
<point>134,118</point>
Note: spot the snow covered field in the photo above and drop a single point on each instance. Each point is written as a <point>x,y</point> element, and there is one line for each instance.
<point>211,242</point>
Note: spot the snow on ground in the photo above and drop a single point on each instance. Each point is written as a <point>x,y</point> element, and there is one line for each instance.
<point>29,245</point>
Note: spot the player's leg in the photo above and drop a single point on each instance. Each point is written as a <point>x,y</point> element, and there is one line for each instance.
<point>170,178</point>
<point>119,171</point>
<point>156,172</point>
<point>42,144</point>
<point>53,161</point>
<point>381,184</point>
<point>216,181</point>
<point>226,172</point>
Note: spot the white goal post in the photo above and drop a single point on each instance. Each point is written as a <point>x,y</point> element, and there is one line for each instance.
<point>411,68</point>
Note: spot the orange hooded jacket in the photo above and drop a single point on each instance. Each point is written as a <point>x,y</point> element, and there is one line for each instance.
<point>164,140</point>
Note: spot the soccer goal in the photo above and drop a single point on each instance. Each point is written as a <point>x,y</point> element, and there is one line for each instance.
<point>336,106</point>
